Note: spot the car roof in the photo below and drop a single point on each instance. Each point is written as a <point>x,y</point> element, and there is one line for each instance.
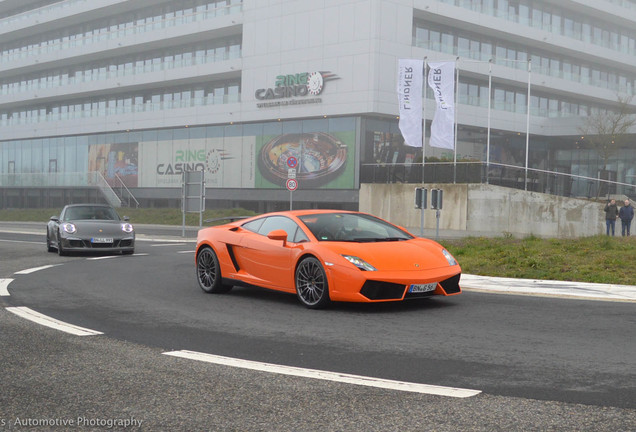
<point>88,204</point>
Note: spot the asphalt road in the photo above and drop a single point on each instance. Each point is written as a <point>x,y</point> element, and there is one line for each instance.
<point>541,363</point>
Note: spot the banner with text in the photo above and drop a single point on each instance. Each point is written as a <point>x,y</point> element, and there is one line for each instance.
<point>441,78</point>
<point>410,82</point>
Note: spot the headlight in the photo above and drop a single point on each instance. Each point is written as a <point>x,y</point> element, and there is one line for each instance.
<point>449,257</point>
<point>126,227</point>
<point>69,227</point>
<point>359,262</point>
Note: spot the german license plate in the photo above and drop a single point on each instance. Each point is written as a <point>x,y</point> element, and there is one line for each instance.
<point>101,240</point>
<point>422,288</point>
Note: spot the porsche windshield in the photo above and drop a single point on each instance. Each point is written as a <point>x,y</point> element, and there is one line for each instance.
<point>352,227</point>
<point>90,212</point>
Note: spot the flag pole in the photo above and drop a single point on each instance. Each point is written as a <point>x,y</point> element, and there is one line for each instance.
<point>455,112</point>
<point>489,108</point>
<point>424,116</point>
<point>528,123</point>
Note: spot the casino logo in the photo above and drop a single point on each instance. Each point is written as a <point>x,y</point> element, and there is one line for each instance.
<point>213,160</point>
<point>294,85</point>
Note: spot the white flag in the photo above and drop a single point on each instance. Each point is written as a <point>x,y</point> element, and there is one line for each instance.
<point>410,82</point>
<point>441,78</point>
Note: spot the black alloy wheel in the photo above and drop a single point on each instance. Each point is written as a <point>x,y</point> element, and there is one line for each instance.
<point>209,272</point>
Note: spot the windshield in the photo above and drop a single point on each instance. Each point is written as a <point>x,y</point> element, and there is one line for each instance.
<point>352,227</point>
<point>90,212</point>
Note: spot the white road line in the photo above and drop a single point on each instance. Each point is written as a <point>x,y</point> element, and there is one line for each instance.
<point>168,244</point>
<point>21,241</point>
<point>184,252</point>
<point>112,256</point>
<point>34,269</point>
<point>326,375</point>
<point>4,287</point>
<point>44,320</point>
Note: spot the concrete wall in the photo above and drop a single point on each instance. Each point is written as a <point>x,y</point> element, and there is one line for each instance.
<point>481,209</point>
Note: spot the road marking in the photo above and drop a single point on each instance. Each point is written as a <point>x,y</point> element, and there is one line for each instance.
<point>168,244</point>
<point>21,241</point>
<point>326,375</point>
<point>34,269</point>
<point>4,287</point>
<point>112,256</point>
<point>44,320</point>
<point>184,252</point>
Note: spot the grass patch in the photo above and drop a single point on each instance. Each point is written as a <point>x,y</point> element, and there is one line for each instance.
<point>599,259</point>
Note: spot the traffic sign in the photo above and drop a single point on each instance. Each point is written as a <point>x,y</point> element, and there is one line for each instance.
<point>292,162</point>
<point>292,185</point>
<point>291,173</point>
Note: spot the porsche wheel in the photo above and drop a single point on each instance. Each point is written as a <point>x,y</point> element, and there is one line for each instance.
<point>209,272</point>
<point>60,250</point>
<point>311,284</point>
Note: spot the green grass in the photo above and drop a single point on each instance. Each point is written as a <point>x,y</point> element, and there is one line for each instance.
<point>598,259</point>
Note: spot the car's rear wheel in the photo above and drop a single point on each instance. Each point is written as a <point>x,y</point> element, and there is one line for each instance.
<point>311,283</point>
<point>209,272</point>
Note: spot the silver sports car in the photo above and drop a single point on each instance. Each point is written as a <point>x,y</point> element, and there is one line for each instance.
<point>89,228</point>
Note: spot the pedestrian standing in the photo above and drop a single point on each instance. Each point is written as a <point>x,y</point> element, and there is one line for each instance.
<point>626,213</point>
<point>611,214</point>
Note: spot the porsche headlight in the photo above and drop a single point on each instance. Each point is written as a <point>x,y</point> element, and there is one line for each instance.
<point>126,227</point>
<point>449,257</point>
<point>359,262</point>
<point>69,227</point>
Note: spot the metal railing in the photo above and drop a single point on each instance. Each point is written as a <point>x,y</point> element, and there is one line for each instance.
<point>530,179</point>
<point>70,180</point>
<point>125,193</point>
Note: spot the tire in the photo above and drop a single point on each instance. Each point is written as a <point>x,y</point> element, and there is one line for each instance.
<point>60,250</point>
<point>312,287</point>
<point>209,272</point>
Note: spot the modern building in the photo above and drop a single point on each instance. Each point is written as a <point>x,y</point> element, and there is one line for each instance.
<point>123,96</point>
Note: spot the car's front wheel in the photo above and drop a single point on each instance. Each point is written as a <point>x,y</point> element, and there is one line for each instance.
<point>60,250</point>
<point>311,283</point>
<point>209,272</point>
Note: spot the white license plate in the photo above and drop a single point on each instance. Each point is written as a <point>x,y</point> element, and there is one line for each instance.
<point>422,288</point>
<point>101,240</point>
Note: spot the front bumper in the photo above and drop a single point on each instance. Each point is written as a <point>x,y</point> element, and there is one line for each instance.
<point>76,244</point>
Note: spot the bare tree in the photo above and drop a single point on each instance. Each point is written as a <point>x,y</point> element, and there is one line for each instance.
<point>606,131</point>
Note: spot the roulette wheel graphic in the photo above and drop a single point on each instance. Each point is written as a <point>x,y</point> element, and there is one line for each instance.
<point>321,158</point>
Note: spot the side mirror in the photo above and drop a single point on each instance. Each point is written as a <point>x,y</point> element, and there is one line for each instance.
<point>278,235</point>
<point>55,219</point>
<point>126,219</point>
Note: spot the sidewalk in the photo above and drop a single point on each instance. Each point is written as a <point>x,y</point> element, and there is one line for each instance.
<point>469,282</point>
<point>548,288</point>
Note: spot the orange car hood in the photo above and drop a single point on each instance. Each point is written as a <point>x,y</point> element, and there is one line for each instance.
<point>412,254</point>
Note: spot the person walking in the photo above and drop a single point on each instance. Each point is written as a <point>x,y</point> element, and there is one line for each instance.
<point>626,213</point>
<point>611,214</point>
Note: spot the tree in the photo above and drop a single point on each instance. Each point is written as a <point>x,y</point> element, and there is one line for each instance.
<point>607,131</point>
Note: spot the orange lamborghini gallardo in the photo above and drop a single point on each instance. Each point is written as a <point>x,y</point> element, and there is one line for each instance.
<point>323,256</point>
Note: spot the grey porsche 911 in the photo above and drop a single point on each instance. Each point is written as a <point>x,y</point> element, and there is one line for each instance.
<point>90,228</point>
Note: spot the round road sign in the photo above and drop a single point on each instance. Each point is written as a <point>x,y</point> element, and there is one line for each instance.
<point>292,185</point>
<point>292,162</point>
